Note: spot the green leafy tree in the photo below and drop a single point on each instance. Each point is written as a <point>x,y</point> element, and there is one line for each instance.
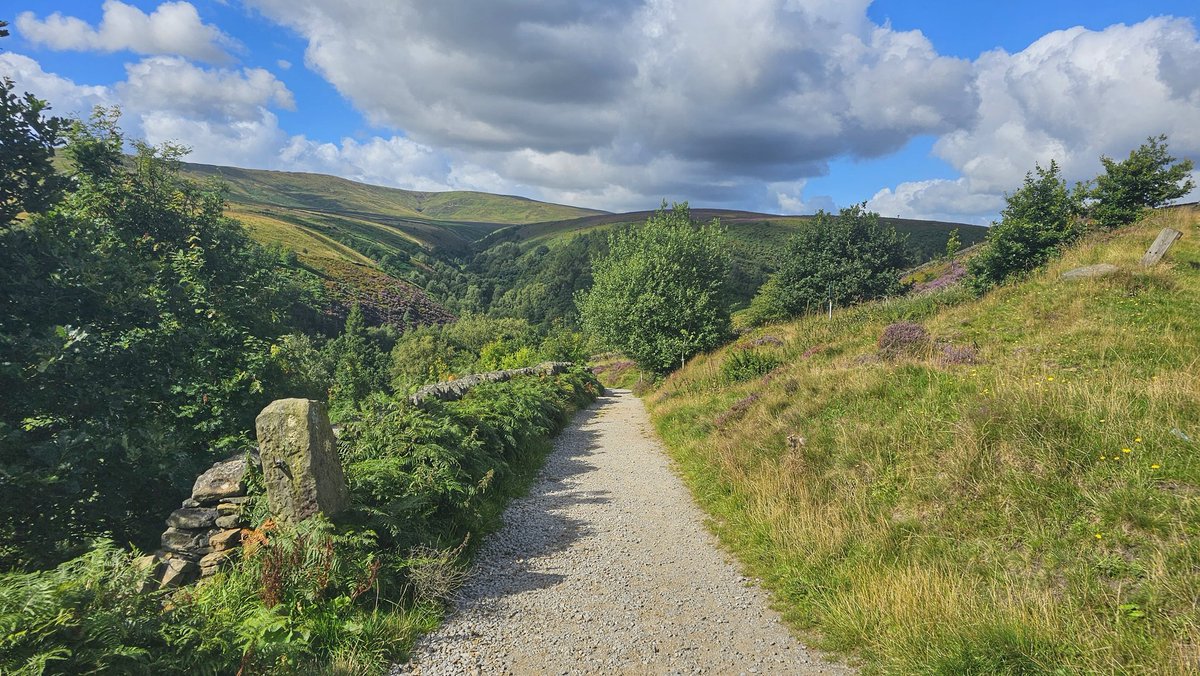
<point>136,325</point>
<point>953,244</point>
<point>28,138</point>
<point>1148,178</point>
<point>1038,221</point>
<point>846,259</point>
<point>358,365</point>
<point>659,293</point>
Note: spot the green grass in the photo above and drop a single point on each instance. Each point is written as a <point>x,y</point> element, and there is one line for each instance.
<point>1035,512</point>
<point>432,220</point>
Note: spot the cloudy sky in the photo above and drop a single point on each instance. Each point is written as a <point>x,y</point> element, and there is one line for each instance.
<point>926,110</point>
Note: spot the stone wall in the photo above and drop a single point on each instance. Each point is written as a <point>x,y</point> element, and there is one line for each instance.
<point>302,474</point>
<point>206,531</point>
<point>452,390</point>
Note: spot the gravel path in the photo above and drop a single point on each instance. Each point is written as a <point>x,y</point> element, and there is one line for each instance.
<point>606,567</point>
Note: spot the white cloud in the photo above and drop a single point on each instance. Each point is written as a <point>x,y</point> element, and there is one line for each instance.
<point>1071,96</point>
<point>171,84</point>
<point>174,28</point>
<point>581,99</point>
<point>65,97</point>
<point>937,199</point>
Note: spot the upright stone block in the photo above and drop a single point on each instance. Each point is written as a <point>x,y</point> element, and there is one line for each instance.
<point>300,464</point>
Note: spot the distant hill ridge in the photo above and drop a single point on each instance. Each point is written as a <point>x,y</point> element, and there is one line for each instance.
<point>366,240</point>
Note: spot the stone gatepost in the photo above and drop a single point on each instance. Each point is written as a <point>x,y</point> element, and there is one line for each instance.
<point>301,468</point>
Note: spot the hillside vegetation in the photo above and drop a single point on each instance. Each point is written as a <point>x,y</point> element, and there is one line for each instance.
<point>481,253</point>
<point>1017,491</point>
<point>365,217</point>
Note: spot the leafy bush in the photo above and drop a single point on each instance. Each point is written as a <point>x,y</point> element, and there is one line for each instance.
<point>1148,178</point>
<point>846,259</point>
<point>432,353</point>
<point>356,364</point>
<point>658,295</point>
<point>743,365</point>
<point>83,616</point>
<point>1040,219</point>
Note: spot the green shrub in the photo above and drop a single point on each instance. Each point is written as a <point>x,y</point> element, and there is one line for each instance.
<point>433,353</point>
<point>83,616</point>
<point>743,365</point>
<point>1040,219</point>
<point>846,259</point>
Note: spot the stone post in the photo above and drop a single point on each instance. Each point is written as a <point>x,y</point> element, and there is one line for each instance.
<point>301,468</point>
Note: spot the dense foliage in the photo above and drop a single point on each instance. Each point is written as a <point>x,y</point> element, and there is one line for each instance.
<point>659,293</point>
<point>28,137</point>
<point>843,259</point>
<point>343,598</point>
<point>135,345</point>
<point>536,283</point>
<point>474,343</point>
<point>1148,178</point>
<point>1040,218</point>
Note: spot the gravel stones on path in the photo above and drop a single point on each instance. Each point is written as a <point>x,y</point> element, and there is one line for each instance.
<point>605,567</point>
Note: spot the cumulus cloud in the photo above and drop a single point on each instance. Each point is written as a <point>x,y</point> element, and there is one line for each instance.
<point>583,98</point>
<point>174,28</point>
<point>1071,96</point>
<point>66,98</point>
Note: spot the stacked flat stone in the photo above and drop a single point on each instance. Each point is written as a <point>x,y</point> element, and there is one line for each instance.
<point>206,532</point>
<point>453,390</point>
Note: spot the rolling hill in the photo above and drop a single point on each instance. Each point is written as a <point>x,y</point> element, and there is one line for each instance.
<point>294,209</point>
<point>478,252</point>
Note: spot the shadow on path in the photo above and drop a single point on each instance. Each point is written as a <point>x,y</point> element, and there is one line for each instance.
<point>536,525</point>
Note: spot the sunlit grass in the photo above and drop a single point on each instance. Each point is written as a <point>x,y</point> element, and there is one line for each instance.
<point>1035,511</point>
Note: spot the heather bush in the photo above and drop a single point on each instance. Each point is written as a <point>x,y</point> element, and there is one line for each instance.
<point>903,339</point>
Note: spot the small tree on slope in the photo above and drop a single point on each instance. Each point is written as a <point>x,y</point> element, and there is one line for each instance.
<point>1148,178</point>
<point>848,258</point>
<point>658,294</point>
<point>1039,220</point>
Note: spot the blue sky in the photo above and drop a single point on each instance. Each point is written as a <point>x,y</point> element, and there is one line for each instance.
<point>930,109</point>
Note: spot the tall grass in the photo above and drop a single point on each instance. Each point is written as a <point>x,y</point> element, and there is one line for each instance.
<point>1035,512</point>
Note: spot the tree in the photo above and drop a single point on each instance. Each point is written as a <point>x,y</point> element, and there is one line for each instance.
<point>28,137</point>
<point>136,325</point>
<point>1039,219</point>
<point>1148,178</point>
<point>658,295</point>
<point>953,244</point>
<point>846,259</point>
<point>358,366</point>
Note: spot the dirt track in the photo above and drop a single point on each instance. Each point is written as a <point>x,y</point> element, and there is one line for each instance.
<point>606,567</point>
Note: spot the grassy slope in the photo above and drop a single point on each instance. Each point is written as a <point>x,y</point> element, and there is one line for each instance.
<point>1032,513</point>
<point>400,221</point>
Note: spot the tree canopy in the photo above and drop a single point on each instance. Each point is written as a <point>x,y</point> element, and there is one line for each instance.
<point>848,258</point>
<point>658,295</point>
